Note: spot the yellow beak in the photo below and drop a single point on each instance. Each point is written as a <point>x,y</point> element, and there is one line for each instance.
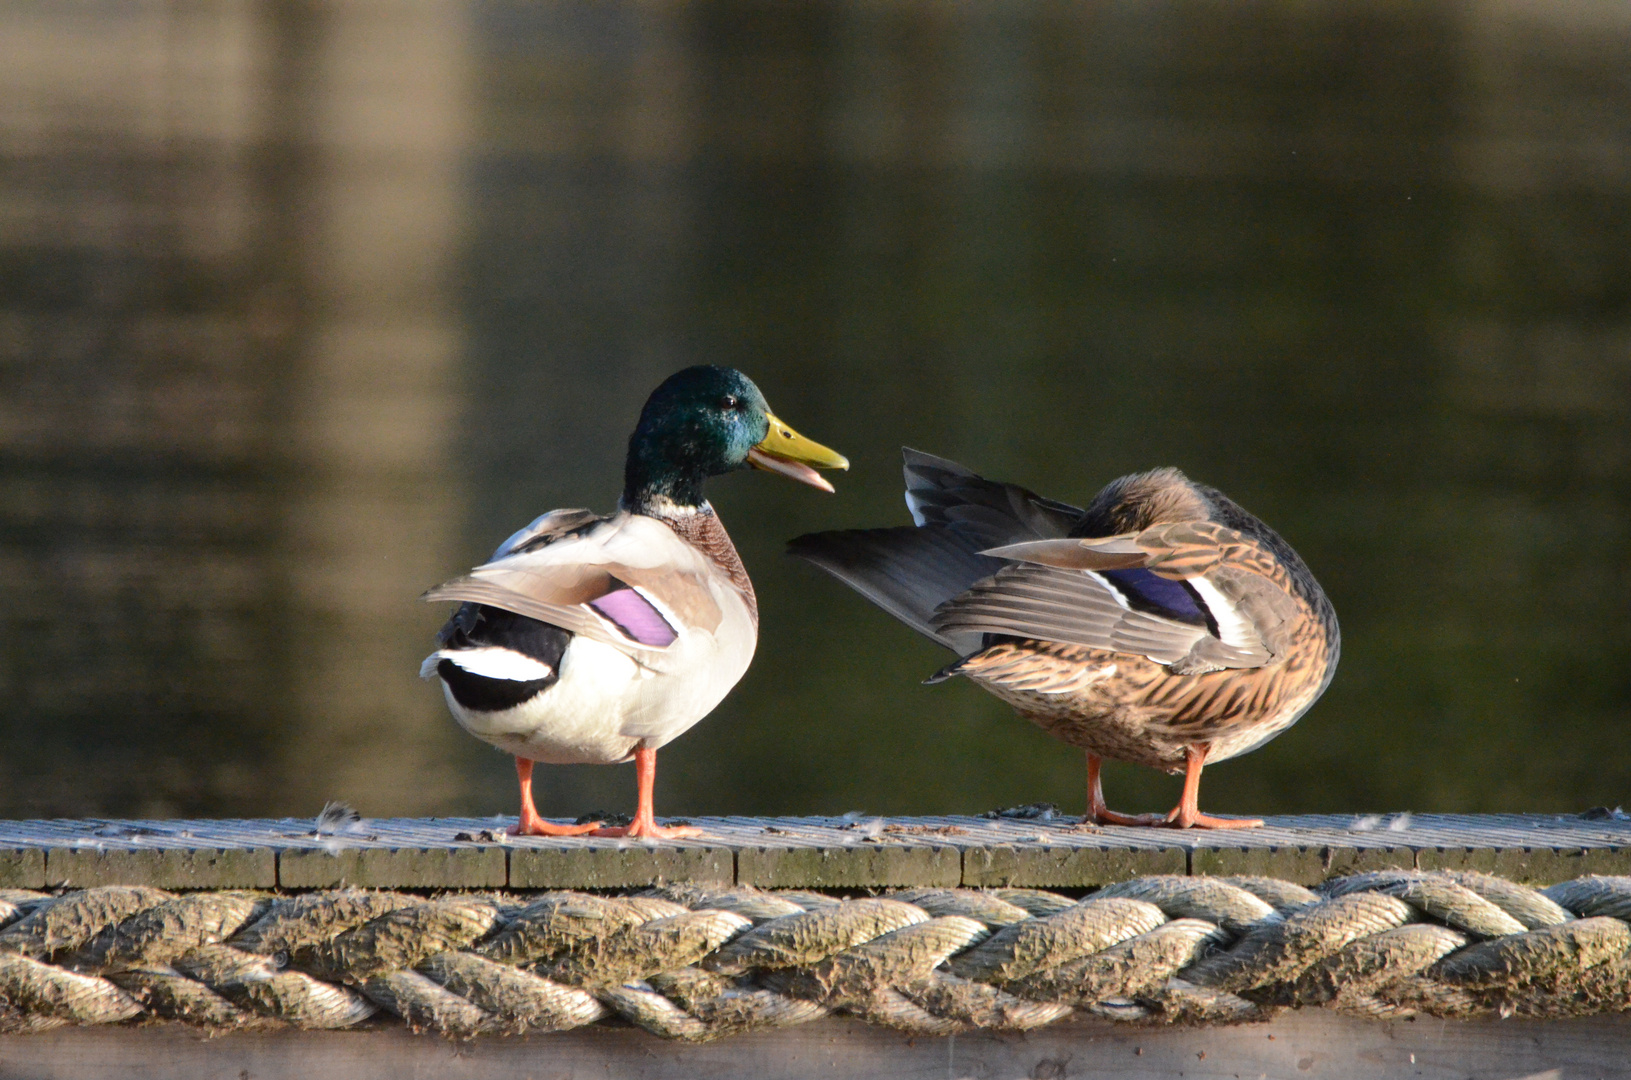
<point>785,451</point>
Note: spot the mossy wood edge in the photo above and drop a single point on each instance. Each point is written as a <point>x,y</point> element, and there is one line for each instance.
<point>852,852</point>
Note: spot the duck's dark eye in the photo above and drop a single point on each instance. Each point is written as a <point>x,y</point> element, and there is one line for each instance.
<point>728,402</point>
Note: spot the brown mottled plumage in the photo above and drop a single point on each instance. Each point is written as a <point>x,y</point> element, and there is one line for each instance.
<point>1163,625</point>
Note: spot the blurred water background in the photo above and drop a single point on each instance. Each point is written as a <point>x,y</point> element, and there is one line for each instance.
<point>304,306</point>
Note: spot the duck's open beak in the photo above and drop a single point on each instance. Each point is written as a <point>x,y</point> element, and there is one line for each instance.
<point>787,452</point>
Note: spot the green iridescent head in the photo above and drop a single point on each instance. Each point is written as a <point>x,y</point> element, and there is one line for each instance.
<point>705,421</point>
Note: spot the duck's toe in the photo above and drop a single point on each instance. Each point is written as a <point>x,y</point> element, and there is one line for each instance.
<point>1106,816</point>
<point>540,827</point>
<point>1197,820</point>
<point>647,830</point>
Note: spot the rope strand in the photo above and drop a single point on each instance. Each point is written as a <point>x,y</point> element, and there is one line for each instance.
<point>684,962</point>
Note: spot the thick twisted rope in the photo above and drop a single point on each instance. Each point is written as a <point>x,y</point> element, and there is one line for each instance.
<point>690,962</point>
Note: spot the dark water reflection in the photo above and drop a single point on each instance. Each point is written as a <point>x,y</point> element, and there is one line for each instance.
<point>299,315</point>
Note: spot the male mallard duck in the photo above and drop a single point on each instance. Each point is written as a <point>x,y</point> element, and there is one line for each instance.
<point>589,639</point>
<point>1163,625</point>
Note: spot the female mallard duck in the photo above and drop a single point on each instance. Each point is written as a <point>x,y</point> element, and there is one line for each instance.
<point>1163,625</point>
<point>590,640</point>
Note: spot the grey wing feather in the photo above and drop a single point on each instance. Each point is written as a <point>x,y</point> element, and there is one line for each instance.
<point>909,572</point>
<point>1030,600</point>
<point>1075,607</point>
<point>906,571</point>
<point>942,492</point>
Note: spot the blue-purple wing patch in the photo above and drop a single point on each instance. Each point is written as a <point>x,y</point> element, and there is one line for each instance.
<point>636,617</point>
<point>1149,592</point>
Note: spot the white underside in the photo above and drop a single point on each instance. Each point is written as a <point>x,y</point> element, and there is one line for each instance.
<point>603,706</point>
<point>613,694</point>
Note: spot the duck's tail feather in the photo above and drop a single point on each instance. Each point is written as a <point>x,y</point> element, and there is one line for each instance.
<point>907,571</point>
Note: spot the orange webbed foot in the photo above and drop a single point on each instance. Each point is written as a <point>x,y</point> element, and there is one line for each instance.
<point>1187,814</point>
<point>536,826</point>
<point>1100,814</point>
<point>649,830</point>
<point>529,823</point>
<point>644,826</point>
<point>1106,816</point>
<point>1197,820</point>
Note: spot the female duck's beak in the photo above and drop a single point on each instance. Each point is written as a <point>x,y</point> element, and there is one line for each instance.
<point>787,452</point>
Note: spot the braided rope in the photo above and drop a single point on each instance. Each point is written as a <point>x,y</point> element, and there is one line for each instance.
<point>694,963</point>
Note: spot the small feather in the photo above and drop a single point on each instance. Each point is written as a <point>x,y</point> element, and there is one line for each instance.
<point>337,817</point>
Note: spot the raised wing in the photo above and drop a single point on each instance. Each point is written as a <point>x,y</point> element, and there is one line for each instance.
<point>909,572</point>
<point>906,571</point>
<point>1193,595</point>
<point>628,581</point>
<point>942,492</point>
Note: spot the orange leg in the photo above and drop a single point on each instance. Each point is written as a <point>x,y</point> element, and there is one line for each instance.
<point>1100,814</point>
<point>533,825</point>
<point>1187,814</point>
<point>644,825</point>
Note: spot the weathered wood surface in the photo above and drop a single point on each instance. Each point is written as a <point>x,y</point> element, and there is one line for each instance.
<point>808,852</point>
<point>1301,1045</point>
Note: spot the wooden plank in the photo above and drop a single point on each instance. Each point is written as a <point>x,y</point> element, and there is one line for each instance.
<point>453,867</point>
<point>851,851</point>
<point>1055,866</point>
<point>1534,848</point>
<point>1308,1044</point>
<point>606,865</point>
<point>22,868</point>
<point>848,852</point>
<point>1306,865</point>
<point>1535,866</point>
<point>812,867</point>
<point>164,868</point>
